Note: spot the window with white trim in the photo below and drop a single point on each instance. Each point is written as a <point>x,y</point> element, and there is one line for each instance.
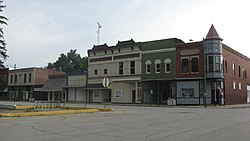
<point>157,66</point>
<point>120,67</point>
<point>184,65</point>
<point>234,85</point>
<point>118,94</point>
<point>148,66</point>
<point>132,67</point>
<point>240,86</point>
<point>167,63</point>
<point>194,63</point>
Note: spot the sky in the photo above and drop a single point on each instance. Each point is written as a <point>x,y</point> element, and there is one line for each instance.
<point>38,31</point>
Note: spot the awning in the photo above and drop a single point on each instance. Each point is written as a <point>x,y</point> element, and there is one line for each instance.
<point>94,86</point>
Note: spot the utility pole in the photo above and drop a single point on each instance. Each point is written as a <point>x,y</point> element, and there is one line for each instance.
<point>205,79</point>
<point>98,32</point>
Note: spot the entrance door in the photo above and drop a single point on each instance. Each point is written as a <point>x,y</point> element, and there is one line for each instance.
<point>133,96</point>
<point>248,93</point>
<point>89,97</point>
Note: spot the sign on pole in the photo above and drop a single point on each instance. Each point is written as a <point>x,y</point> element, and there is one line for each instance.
<point>105,82</point>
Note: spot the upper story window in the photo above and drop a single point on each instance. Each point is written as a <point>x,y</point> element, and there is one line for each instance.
<point>240,86</point>
<point>210,63</point>
<point>148,66</point>
<point>217,63</point>
<point>244,73</point>
<point>234,69</point>
<point>29,77</point>
<point>24,78</point>
<point>132,67</point>
<point>15,81</point>
<point>167,65</point>
<point>225,70</point>
<point>184,64</point>
<point>157,66</point>
<point>96,72</point>
<point>195,66</point>
<point>11,79</point>
<point>239,71</point>
<point>120,67</point>
<point>105,71</point>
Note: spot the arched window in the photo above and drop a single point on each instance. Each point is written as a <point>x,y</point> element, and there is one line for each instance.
<point>157,66</point>
<point>148,66</point>
<point>167,63</point>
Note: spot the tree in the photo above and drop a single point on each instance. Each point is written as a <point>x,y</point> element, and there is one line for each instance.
<point>3,50</point>
<point>71,63</point>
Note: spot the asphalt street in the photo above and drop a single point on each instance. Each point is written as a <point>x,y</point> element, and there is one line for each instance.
<point>133,123</point>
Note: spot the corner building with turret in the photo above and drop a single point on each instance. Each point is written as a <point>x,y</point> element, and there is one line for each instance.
<point>155,72</point>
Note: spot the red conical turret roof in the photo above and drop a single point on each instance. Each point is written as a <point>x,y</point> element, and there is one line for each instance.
<point>212,34</point>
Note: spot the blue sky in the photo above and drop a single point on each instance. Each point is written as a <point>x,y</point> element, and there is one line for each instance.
<point>39,31</point>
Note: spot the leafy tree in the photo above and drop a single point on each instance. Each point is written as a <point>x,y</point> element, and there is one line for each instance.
<point>71,63</point>
<point>3,50</point>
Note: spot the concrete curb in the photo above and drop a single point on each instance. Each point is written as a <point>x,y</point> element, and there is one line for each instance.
<point>71,110</point>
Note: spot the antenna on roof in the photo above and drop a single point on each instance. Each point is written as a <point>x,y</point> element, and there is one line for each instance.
<point>98,32</point>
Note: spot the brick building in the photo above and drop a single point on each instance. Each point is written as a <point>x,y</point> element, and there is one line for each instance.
<point>202,72</point>
<point>22,82</point>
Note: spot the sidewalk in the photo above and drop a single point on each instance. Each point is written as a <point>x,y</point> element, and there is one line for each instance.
<point>101,105</point>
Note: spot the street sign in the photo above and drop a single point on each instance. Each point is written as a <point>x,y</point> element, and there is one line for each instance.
<point>105,82</point>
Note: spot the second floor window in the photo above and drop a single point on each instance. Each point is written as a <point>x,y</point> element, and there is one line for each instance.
<point>225,70</point>
<point>11,79</point>
<point>210,63</point>
<point>217,63</point>
<point>239,71</point>
<point>244,73</point>
<point>132,67</point>
<point>120,67</point>
<point>29,77</point>
<point>148,66</point>
<point>15,81</point>
<point>24,78</point>
<point>167,65</point>
<point>105,71</point>
<point>195,64</point>
<point>184,63</point>
<point>96,72</point>
<point>157,66</point>
<point>234,69</point>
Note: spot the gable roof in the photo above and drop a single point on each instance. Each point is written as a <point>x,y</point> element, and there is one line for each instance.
<point>55,84</point>
<point>212,34</point>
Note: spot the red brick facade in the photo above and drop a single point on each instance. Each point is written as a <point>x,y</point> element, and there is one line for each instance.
<point>189,50</point>
<point>237,95</point>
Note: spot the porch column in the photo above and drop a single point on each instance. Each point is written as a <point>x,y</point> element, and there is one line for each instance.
<point>62,97</point>
<point>48,96</point>
<point>53,96</point>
